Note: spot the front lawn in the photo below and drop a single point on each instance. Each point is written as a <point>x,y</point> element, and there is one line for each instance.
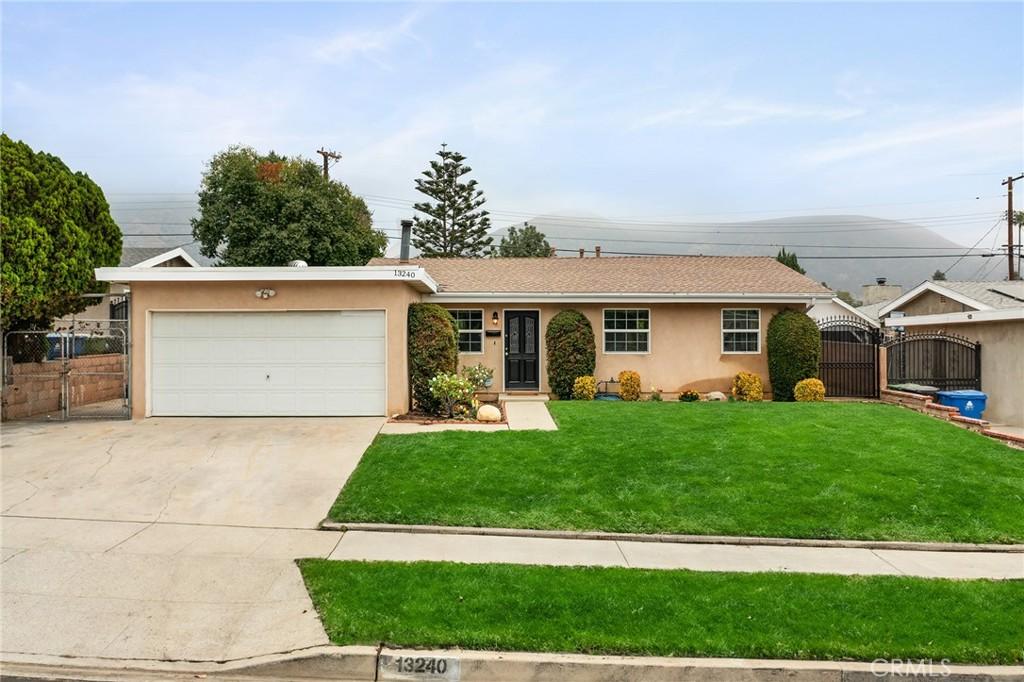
<point>801,470</point>
<point>667,613</point>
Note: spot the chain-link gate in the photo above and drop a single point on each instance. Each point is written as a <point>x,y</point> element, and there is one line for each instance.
<point>80,369</point>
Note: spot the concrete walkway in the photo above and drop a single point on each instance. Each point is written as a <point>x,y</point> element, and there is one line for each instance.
<point>529,415</point>
<point>388,546</point>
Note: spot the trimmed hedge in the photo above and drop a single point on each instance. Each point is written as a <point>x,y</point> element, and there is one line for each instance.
<point>794,352</point>
<point>570,350</point>
<point>809,391</point>
<point>433,350</point>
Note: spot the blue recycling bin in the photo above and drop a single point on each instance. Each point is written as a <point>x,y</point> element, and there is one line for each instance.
<point>970,403</point>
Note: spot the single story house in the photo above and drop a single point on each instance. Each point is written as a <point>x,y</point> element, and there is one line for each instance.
<point>333,340</point>
<point>989,313</point>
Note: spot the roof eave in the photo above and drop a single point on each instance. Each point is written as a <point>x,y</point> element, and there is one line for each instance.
<point>414,276</point>
<point>622,297</point>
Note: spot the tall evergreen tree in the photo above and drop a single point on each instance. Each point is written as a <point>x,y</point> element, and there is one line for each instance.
<point>524,242</point>
<point>455,224</point>
<point>788,258</point>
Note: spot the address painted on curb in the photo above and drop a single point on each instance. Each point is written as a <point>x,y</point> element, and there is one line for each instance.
<point>441,669</point>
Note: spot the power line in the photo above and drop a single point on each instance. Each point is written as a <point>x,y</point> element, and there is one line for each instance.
<point>973,245</point>
<point>655,255</point>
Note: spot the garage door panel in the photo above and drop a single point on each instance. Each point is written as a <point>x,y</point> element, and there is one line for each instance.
<point>272,363</point>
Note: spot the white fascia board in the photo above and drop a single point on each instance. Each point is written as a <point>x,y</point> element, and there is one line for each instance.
<point>616,297</point>
<point>853,311</point>
<point>166,256</point>
<point>414,276</point>
<point>928,285</point>
<point>974,316</point>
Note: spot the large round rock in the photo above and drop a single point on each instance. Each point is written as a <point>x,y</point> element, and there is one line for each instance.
<point>488,413</point>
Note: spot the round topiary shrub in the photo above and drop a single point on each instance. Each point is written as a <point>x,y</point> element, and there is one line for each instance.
<point>794,351</point>
<point>584,388</point>
<point>809,391</point>
<point>433,350</point>
<point>570,349</point>
<point>747,387</point>
<point>629,385</point>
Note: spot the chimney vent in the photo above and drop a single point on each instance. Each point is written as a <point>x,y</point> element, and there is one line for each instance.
<point>581,253</point>
<point>403,254</point>
<point>880,281</point>
<point>597,252</point>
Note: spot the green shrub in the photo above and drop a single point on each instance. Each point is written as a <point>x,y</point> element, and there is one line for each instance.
<point>478,375</point>
<point>655,396</point>
<point>794,352</point>
<point>570,350</point>
<point>747,387</point>
<point>689,396</point>
<point>584,388</point>
<point>450,390</point>
<point>433,350</point>
<point>809,391</point>
<point>629,385</point>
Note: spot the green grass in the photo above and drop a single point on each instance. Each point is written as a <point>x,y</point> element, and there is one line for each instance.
<point>802,470</point>
<point>667,613</point>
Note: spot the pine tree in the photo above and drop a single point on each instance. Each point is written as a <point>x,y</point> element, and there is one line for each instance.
<point>788,258</point>
<point>456,225</point>
<point>525,242</point>
<point>938,276</point>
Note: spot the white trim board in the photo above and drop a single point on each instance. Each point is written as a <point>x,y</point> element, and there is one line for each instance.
<point>935,287</point>
<point>616,298</point>
<point>976,316</point>
<point>166,256</point>
<point>414,276</point>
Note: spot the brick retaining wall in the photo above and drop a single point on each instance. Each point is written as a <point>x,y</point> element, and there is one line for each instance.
<point>36,386</point>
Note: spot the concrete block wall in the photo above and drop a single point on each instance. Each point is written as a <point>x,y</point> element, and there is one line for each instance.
<point>35,388</point>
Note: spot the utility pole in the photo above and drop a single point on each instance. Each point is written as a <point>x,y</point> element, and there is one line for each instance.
<point>1009,223</point>
<point>327,154</point>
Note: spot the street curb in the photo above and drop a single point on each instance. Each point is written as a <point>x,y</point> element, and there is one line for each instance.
<point>360,663</point>
<point>330,525</point>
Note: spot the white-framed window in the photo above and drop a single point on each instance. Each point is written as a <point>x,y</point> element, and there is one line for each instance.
<point>627,330</point>
<point>741,330</point>
<point>470,324</point>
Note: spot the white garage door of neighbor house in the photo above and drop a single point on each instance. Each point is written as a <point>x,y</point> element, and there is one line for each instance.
<point>317,363</point>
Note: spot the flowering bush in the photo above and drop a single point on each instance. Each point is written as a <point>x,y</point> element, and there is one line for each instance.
<point>478,375</point>
<point>747,387</point>
<point>629,385</point>
<point>655,396</point>
<point>690,396</point>
<point>809,390</point>
<point>584,388</point>
<point>451,391</point>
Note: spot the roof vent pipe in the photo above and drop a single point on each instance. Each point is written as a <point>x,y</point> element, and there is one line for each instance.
<point>880,281</point>
<point>581,253</point>
<point>403,254</point>
<point>597,252</point>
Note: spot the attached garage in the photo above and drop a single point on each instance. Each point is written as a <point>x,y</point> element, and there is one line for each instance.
<point>288,363</point>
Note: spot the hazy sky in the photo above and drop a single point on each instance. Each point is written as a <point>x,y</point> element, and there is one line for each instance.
<point>665,111</point>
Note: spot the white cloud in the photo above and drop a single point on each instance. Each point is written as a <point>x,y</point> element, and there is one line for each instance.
<point>976,130</point>
<point>372,44</point>
<point>722,111</point>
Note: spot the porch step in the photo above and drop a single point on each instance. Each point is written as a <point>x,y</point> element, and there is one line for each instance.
<point>522,397</point>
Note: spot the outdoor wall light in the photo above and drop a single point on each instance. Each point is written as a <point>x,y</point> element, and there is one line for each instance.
<point>265,293</point>
<point>494,318</point>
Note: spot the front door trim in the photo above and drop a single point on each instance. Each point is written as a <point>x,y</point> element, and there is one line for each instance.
<point>504,356</point>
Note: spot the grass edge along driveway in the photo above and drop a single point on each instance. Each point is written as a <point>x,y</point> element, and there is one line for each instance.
<point>799,470</point>
<point>626,611</point>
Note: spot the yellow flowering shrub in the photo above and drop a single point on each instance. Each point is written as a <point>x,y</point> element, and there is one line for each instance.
<point>747,387</point>
<point>809,390</point>
<point>629,384</point>
<point>584,388</point>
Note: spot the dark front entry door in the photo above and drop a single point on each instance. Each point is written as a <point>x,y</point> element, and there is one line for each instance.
<point>522,344</point>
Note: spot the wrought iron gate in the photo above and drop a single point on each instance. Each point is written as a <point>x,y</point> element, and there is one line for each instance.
<point>945,361</point>
<point>80,369</point>
<point>849,357</point>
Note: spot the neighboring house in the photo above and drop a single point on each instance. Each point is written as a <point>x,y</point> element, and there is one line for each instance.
<point>990,313</point>
<point>836,307</point>
<point>113,305</point>
<point>333,340</point>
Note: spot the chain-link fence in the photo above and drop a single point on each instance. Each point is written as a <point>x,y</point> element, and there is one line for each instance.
<point>80,369</point>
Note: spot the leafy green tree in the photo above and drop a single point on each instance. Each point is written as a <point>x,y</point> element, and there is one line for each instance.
<point>788,258</point>
<point>938,276</point>
<point>524,242</point>
<point>847,298</point>
<point>456,224</point>
<point>794,351</point>
<point>265,210</point>
<point>55,226</point>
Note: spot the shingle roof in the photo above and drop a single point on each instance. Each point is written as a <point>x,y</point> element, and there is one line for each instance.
<point>993,294</point>
<point>616,274</point>
<point>132,255</point>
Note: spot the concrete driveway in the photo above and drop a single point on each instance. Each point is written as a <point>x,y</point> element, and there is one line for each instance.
<point>167,539</point>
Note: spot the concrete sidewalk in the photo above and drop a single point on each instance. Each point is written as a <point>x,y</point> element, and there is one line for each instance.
<point>389,546</point>
<point>525,415</point>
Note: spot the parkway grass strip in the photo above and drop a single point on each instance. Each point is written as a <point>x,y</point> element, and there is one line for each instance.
<point>667,613</point>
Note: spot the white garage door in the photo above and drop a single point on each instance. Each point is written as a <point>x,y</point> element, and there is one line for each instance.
<point>322,363</point>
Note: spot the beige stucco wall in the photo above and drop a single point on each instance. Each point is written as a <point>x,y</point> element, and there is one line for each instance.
<point>1002,365</point>
<point>394,298</point>
<point>685,349</point>
<point>931,303</point>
